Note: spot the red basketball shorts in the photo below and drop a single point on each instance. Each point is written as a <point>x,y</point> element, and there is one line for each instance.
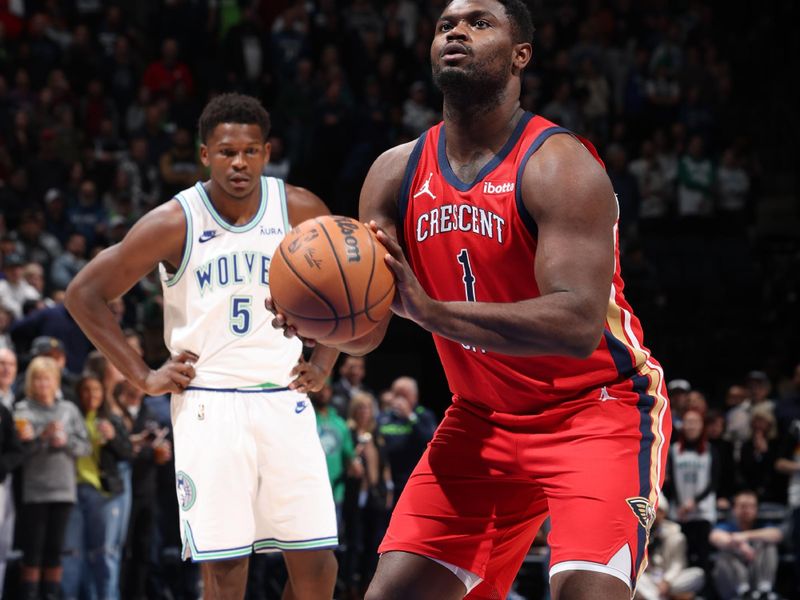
<point>481,490</point>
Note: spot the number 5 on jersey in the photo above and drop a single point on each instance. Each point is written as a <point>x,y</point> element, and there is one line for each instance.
<point>469,287</point>
<point>241,314</point>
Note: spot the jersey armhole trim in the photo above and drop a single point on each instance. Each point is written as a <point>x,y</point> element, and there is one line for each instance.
<point>284,205</point>
<point>524,213</point>
<point>405,187</point>
<point>187,244</point>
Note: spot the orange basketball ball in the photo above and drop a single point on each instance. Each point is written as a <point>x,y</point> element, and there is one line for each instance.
<point>329,278</point>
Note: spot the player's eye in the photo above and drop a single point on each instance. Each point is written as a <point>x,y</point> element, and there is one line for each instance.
<point>481,24</point>
<point>252,151</point>
<point>445,26</point>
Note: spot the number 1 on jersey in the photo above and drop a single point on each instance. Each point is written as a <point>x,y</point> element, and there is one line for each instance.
<point>469,287</point>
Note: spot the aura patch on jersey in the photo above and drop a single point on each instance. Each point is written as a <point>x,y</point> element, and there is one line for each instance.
<point>232,268</point>
<point>644,511</point>
<point>187,492</point>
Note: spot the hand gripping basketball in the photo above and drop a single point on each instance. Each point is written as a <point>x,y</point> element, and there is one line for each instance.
<point>329,282</point>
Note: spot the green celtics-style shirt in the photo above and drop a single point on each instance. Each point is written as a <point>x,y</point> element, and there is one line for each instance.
<point>338,446</point>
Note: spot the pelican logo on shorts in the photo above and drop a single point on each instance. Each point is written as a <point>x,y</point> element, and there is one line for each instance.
<point>644,511</point>
<point>187,493</point>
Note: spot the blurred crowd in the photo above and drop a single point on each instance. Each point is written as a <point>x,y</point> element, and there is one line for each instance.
<point>98,106</point>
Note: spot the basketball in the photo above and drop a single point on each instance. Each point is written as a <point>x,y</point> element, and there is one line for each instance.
<point>329,278</point>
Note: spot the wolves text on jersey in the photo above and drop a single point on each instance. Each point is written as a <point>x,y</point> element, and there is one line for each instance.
<point>231,269</point>
<point>460,217</point>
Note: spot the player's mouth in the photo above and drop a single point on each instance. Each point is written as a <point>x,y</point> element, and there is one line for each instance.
<point>454,51</point>
<point>239,181</point>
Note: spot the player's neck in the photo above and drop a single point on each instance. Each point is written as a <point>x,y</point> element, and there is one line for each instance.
<point>236,211</point>
<point>469,128</point>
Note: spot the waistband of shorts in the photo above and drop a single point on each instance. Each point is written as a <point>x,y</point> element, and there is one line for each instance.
<point>271,390</point>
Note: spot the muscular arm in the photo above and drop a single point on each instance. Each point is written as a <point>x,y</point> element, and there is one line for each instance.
<point>158,236</point>
<point>571,199</point>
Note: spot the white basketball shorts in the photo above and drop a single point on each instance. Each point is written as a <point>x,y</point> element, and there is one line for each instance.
<point>251,474</point>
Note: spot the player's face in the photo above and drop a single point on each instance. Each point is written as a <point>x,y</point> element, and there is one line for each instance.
<point>473,44</point>
<point>236,153</point>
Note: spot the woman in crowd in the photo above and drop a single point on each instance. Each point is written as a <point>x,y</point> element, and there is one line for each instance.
<point>691,486</point>
<point>758,455</point>
<point>89,561</point>
<point>368,495</point>
<point>53,436</point>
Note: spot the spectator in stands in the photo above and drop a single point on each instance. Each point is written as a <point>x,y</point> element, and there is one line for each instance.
<point>668,577</point>
<point>54,322</point>
<point>368,495</point>
<point>14,290</point>
<point>151,448</point>
<point>337,444</point>
<point>8,375</point>
<point>52,347</point>
<point>691,486</point>
<point>755,392</point>
<point>67,265</point>
<point>695,181</point>
<point>5,323</point>
<point>38,246</point>
<point>180,167</point>
<point>407,428</point>
<point>654,193</point>
<point>748,552</point>
<point>350,382</point>
<point>758,455</point>
<point>87,216</point>
<point>161,76</point>
<point>733,188</point>
<point>418,116</point>
<point>787,409</point>
<point>11,455</point>
<point>88,561</point>
<point>53,436</point>
<point>715,433</point>
<point>789,464</point>
<point>678,397</point>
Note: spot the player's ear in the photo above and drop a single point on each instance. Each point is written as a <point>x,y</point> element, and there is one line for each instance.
<point>267,152</point>
<point>522,56</point>
<point>204,155</point>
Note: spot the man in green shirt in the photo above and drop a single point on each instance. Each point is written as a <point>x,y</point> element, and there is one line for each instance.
<point>336,442</point>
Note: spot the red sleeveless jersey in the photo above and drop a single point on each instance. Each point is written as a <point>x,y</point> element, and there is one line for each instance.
<point>477,242</point>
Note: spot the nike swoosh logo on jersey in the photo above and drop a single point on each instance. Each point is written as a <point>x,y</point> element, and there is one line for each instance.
<point>301,406</point>
<point>208,234</point>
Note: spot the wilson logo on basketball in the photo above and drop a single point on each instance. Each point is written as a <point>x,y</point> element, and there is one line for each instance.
<point>498,188</point>
<point>348,228</point>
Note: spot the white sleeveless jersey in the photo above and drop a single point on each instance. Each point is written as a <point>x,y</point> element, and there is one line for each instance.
<point>214,302</point>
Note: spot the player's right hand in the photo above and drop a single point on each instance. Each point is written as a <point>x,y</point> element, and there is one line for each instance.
<point>173,377</point>
<point>280,322</point>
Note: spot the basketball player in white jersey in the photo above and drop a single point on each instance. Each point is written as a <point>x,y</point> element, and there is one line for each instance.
<point>250,470</point>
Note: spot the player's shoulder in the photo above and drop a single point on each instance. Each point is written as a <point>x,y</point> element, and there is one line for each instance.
<point>391,164</point>
<point>302,204</point>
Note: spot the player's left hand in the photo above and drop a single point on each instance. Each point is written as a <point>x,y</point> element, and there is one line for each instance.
<point>308,377</point>
<point>410,301</point>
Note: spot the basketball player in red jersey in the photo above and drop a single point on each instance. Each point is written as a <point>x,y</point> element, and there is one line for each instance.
<point>501,231</point>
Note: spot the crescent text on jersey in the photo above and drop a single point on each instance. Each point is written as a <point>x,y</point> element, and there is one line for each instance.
<point>466,218</point>
<point>232,268</point>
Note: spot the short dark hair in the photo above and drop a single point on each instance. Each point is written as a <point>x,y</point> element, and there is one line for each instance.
<point>233,108</point>
<point>519,15</point>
